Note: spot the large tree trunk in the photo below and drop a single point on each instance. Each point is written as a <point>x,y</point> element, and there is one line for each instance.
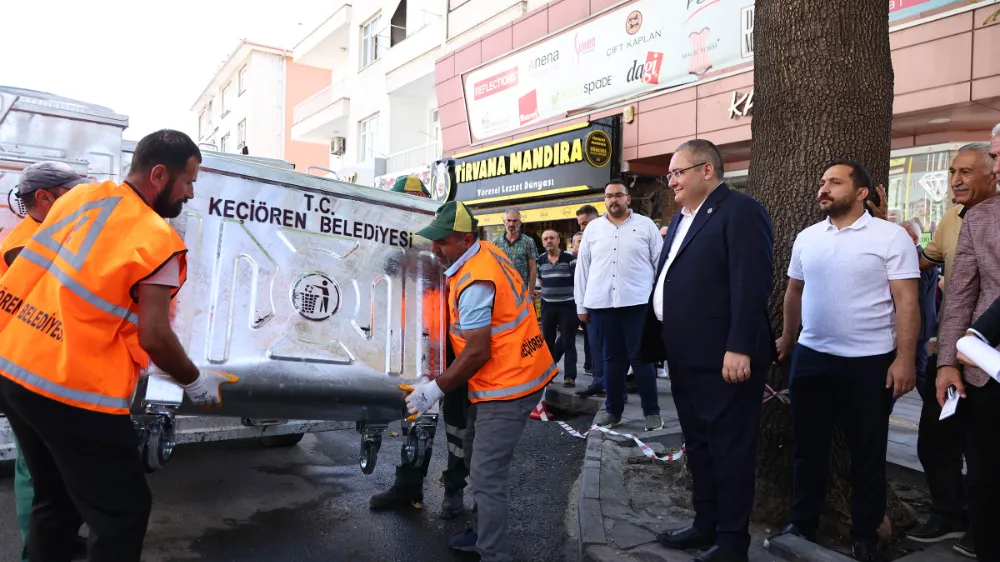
<point>823,89</point>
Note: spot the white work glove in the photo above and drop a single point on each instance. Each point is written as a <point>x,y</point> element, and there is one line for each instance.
<point>420,397</point>
<point>204,391</point>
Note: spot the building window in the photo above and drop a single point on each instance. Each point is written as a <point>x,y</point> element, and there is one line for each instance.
<point>202,126</point>
<point>224,143</point>
<point>435,125</point>
<point>242,79</point>
<point>368,129</point>
<point>918,190</point>
<point>241,134</point>
<point>227,99</point>
<point>370,51</point>
<point>208,113</point>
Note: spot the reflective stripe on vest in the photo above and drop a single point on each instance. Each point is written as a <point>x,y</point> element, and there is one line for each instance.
<point>26,376</point>
<point>505,392</point>
<point>73,285</point>
<point>521,362</point>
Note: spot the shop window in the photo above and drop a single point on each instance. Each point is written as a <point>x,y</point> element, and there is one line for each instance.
<point>918,190</point>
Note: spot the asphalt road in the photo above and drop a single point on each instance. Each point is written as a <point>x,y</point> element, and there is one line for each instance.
<point>241,502</point>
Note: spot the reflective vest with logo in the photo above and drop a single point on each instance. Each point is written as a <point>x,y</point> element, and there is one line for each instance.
<point>15,239</point>
<point>520,362</point>
<point>68,305</point>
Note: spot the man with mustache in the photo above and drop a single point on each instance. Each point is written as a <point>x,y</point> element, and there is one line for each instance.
<point>852,287</point>
<point>500,353</point>
<point>973,286</point>
<point>940,443</point>
<point>74,339</point>
<point>593,361</point>
<point>614,276</point>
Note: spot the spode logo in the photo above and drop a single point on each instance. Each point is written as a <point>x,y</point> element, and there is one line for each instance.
<point>583,46</point>
<point>633,23</point>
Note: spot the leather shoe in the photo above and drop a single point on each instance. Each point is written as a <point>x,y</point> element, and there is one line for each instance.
<point>720,554</point>
<point>685,538</point>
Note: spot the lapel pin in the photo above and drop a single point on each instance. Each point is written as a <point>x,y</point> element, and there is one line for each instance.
<point>709,210</point>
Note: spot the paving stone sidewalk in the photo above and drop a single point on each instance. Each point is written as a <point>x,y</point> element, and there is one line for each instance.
<point>620,510</point>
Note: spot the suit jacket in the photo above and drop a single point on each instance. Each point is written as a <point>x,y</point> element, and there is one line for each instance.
<point>716,292</point>
<point>974,283</point>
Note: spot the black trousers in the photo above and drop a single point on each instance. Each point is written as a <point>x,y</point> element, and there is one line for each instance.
<point>940,447</point>
<point>721,425</point>
<point>983,455</point>
<point>561,317</point>
<point>824,388</point>
<point>85,467</point>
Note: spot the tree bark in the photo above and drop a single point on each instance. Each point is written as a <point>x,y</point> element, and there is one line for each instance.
<point>823,89</point>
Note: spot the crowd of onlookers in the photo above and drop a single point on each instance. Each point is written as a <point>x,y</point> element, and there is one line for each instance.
<point>861,328</point>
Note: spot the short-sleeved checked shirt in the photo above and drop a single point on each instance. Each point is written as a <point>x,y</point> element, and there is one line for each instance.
<point>519,252</point>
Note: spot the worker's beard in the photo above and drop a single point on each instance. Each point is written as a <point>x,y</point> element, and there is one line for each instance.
<point>164,205</point>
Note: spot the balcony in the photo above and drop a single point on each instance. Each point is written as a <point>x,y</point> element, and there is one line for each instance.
<point>322,116</point>
<point>424,155</point>
<point>414,57</point>
<point>326,46</point>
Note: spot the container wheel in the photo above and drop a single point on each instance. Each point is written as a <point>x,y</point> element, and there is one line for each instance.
<point>368,457</point>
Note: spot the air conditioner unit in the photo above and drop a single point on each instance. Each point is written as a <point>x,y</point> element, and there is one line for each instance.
<point>338,145</point>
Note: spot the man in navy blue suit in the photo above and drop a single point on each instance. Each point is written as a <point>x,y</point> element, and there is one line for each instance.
<point>708,318</point>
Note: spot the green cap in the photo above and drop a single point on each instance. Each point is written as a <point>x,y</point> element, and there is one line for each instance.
<point>411,185</point>
<point>450,218</point>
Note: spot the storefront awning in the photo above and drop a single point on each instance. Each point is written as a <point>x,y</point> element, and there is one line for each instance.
<point>562,209</point>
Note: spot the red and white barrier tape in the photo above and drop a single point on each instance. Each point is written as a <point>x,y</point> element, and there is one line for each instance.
<point>646,450</point>
<point>770,393</point>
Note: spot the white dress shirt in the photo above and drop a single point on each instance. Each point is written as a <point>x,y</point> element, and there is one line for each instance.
<point>623,261</point>
<point>687,217</point>
<point>847,307</point>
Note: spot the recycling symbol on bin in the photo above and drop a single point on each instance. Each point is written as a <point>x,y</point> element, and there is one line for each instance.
<point>315,296</point>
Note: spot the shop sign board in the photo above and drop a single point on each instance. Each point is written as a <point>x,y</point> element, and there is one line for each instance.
<point>575,159</point>
<point>644,46</point>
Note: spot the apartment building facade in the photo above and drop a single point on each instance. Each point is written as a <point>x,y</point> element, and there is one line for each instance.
<point>247,106</point>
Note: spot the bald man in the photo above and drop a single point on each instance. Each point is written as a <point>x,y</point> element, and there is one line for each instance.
<point>556,272</point>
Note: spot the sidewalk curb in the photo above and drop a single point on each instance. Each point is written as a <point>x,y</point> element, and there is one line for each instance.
<point>593,540</point>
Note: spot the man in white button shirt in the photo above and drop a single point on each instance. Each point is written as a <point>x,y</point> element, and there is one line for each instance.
<point>853,286</point>
<point>614,276</point>
<point>709,320</point>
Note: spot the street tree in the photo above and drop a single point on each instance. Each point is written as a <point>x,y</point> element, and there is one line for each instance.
<point>823,90</point>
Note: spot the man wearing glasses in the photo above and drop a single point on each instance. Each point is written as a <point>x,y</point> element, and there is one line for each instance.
<point>614,275</point>
<point>709,320</point>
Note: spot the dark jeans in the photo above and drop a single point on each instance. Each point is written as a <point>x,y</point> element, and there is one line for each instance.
<point>596,354</point>
<point>619,333</point>
<point>983,455</point>
<point>588,363</point>
<point>561,317</point>
<point>454,408</point>
<point>824,388</point>
<point>940,446</point>
<point>721,426</point>
<point>85,467</point>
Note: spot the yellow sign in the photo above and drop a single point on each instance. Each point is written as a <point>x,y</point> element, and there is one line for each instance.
<point>563,152</point>
<point>559,213</point>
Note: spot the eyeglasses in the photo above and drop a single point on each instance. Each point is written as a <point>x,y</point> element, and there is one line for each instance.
<point>679,173</point>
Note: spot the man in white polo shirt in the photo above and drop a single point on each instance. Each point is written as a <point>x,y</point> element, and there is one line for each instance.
<point>853,286</point>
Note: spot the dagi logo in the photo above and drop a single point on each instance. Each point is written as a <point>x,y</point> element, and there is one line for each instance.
<point>649,72</point>
<point>633,23</point>
<point>583,46</point>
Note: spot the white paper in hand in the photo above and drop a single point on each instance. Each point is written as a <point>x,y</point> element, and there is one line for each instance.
<point>950,403</point>
<point>980,353</point>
